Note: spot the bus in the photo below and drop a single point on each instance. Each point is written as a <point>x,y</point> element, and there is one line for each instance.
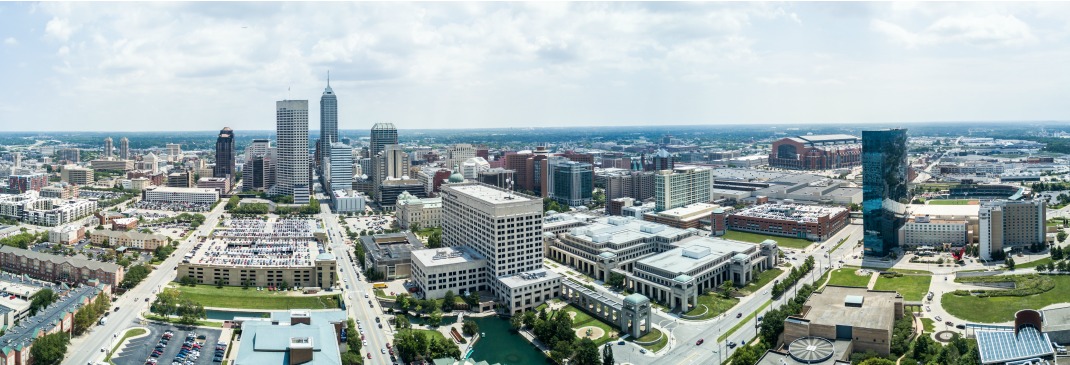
<point>379,286</point>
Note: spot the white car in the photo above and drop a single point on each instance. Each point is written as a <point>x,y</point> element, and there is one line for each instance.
<point>938,319</point>
<point>383,350</point>
<point>364,342</point>
<point>365,295</point>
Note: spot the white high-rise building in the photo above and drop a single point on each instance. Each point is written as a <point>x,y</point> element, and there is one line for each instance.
<point>108,147</point>
<point>291,175</point>
<point>505,229</point>
<point>1010,224</point>
<point>341,166</point>
<point>681,186</point>
<point>124,148</point>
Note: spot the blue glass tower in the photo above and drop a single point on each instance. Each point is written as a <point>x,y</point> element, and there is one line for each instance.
<point>884,189</point>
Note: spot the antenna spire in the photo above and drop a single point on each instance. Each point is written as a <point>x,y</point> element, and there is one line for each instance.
<point>328,78</point>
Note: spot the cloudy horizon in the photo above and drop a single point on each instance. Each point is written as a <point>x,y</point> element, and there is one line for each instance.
<point>202,66</point>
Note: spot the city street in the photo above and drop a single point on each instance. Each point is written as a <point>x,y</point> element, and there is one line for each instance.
<point>356,305</point>
<point>86,348</point>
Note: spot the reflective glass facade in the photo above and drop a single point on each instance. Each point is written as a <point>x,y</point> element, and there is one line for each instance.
<point>884,188</point>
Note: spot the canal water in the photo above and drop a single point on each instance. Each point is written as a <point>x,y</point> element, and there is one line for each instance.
<point>222,315</point>
<point>500,345</point>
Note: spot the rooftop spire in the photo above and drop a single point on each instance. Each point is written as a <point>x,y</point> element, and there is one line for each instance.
<point>328,78</point>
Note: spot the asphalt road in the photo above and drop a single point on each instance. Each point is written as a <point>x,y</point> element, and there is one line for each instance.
<point>357,306</point>
<point>86,348</point>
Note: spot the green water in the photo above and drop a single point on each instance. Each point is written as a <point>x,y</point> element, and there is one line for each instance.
<point>501,345</point>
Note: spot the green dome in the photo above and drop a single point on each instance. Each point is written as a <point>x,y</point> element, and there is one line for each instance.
<point>456,177</point>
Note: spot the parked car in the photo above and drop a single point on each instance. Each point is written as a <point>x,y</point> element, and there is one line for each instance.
<point>700,341</point>
<point>740,315</point>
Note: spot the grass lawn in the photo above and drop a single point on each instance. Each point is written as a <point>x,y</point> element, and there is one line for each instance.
<point>789,242</point>
<point>1001,309</point>
<point>430,333</point>
<point>174,320</point>
<point>654,334</point>
<point>582,319</point>
<point>236,297</point>
<point>950,202</point>
<point>1054,222</point>
<point>912,287</point>
<point>928,325</point>
<point>764,278</point>
<point>716,304</point>
<point>129,333</point>
<point>381,294</point>
<point>1034,263</point>
<point>846,277</point>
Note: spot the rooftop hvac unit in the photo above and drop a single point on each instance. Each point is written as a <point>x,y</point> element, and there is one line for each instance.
<point>651,228</point>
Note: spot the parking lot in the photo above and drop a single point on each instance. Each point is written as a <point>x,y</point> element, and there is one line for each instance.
<point>376,223</point>
<point>138,351</point>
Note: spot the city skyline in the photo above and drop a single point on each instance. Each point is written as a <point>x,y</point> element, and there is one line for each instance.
<point>524,64</point>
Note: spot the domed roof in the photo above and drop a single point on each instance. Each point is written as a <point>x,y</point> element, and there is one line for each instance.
<point>406,197</point>
<point>326,256</point>
<point>456,177</point>
<point>636,299</point>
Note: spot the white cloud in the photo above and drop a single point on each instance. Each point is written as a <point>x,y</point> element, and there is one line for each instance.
<point>11,41</point>
<point>59,28</point>
<point>984,31</point>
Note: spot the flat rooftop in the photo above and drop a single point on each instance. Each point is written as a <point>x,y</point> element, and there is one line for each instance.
<point>391,246</point>
<point>1056,319</point>
<point>694,252</point>
<point>490,194</point>
<point>446,256</point>
<point>829,307</point>
<point>998,345</point>
<point>689,211</point>
<point>258,243</point>
<point>791,212</point>
<point>965,211</point>
<point>620,230</point>
<point>530,277</point>
<point>168,189</point>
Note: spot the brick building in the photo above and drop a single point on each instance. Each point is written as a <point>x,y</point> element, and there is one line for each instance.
<point>790,220</point>
<point>816,152</point>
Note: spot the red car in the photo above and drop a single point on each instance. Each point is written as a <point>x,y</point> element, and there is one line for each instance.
<point>369,355</point>
<point>699,342</point>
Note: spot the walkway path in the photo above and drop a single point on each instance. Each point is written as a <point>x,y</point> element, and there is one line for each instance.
<point>873,275</point>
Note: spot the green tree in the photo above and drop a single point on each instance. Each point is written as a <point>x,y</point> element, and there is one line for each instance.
<point>586,353</point>
<point>726,289</point>
<point>42,299</point>
<point>470,327</point>
<point>529,319</point>
<point>402,323</point>
<point>615,280</point>
<point>434,240</point>
<point>434,319</point>
<point>876,361</point>
<point>607,355</point>
<point>49,349</point>
<point>351,358</point>
<point>561,351</point>
<point>516,322</point>
<point>1010,263</point>
<point>448,301</point>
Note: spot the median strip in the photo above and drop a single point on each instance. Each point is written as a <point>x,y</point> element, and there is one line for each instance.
<point>745,320</point>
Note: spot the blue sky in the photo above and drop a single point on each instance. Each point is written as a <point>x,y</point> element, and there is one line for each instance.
<point>202,66</point>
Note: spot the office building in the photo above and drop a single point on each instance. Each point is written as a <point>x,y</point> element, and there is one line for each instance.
<point>181,179</point>
<point>293,337</point>
<point>220,184</point>
<point>149,162</point>
<point>17,184</point>
<point>816,152</point>
<point>112,165</point>
<point>458,269</point>
<point>531,170</point>
<point>328,123</point>
<point>504,229</point>
<point>390,164</point>
<point>471,167</point>
<point>382,135</point>
<point>224,156</point>
<point>498,177</point>
<point>391,188</point>
<point>341,167</point>
<point>77,175</point>
<point>174,152</point>
<point>108,148</point>
<point>411,210</point>
<point>258,172</point>
<point>662,160</point>
<point>572,182</point>
<point>391,253</point>
<point>688,216</point>
<point>681,186</point>
<point>60,190</point>
<point>884,189</point>
<point>124,149</point>
<point>291,174</point>
<point>348,201</point>
<point>183,195</point>
<point>58,268</point>
<point>638,185</point>
<point>459,154</point>
<point>1006,225</point>
<point>71,155</point>
<point>815,223</point>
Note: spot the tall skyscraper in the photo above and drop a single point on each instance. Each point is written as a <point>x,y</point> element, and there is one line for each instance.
<point>107,147</point>
<point>383,134</point>
<point>291,175</point>
<point>258,173</point>
<point>884,189</point>
<point>503,226</point>
<point>328,121</point>
<point>681,186</point>
<point>663,160</point>
<point>392,162</point>
<point>124,148</point>
<point>572,182</point>
<point>341,166</point>
<point>224,155</point>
